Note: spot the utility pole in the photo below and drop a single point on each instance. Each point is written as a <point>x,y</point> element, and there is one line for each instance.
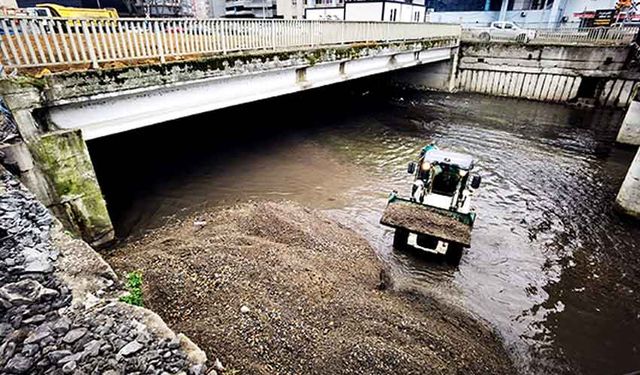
<point>503,10</point>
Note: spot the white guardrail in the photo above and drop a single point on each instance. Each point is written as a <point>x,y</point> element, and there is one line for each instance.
<point>27,42</point>
<point>563,35</point>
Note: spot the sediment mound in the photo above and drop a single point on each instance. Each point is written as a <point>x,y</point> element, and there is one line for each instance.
<point>277,288</point>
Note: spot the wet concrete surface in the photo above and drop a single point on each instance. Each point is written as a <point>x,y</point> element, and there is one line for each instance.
<point>552,267</point>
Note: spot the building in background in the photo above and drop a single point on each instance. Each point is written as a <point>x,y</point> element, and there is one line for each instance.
<point>200,8</point>
<point>216,8</point>
<point>290,9</point>
<point>250,8</point>
<point>366,10</point>
<point>324,9</point>
<point>11,4</point>
<point>531,13</point>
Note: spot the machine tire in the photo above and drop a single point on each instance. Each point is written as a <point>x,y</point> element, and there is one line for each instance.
<point>454,254</point>
<point>485,37</point>
<point>400,238</point>
<point>522,38</point>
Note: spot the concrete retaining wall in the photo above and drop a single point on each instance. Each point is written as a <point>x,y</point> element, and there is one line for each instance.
<point>562,74</point>
<point>545,87</point>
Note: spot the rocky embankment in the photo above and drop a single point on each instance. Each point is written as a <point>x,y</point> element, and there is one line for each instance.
<point>275,288</point>
<point>59,312</point>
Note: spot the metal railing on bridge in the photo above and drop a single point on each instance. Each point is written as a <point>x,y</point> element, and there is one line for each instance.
<point>615,36</point>
<point>28,42</point>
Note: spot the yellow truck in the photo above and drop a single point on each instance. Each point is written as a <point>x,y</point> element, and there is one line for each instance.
<point>55,10</point>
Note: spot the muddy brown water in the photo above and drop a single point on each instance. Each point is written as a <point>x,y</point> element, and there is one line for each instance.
<point>552,267</point>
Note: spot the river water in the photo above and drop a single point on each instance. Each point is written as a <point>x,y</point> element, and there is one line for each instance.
<point>552,267</point>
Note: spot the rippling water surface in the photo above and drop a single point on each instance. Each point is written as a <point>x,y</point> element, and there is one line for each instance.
<point>551,266</point>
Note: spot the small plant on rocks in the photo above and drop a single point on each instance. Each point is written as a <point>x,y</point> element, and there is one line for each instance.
<point>134,288</point>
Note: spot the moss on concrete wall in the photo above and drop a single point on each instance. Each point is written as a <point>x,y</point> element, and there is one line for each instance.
<point>64,159</point>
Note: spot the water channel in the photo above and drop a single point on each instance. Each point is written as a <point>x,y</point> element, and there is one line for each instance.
<point>552,267</point>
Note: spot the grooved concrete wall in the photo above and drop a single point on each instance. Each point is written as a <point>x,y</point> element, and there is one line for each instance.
<point>547,73</point>
<point>545,87</point>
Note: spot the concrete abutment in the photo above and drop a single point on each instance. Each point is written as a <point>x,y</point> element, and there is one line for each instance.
<point>55,166</point>
<point>64,159</point>
<point>593,75</point>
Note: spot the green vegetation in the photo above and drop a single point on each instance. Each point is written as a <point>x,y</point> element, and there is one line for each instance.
<point>134,289</point>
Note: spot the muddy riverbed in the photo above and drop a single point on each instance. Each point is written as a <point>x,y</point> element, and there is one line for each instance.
<point>552,267</point>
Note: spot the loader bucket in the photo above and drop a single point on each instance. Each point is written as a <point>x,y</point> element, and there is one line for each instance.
<point>421,219</point>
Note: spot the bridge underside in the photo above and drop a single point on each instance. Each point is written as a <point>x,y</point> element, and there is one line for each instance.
<point>110,113</point>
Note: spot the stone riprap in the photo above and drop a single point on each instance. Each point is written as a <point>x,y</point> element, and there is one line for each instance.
<point>8,128</point>
<point>59,312</point>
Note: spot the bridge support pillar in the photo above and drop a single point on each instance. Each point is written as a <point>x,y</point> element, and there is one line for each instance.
<point>56,167</point>
<point>628,199</point>
<point>454,70</point>
<point>630,130</point>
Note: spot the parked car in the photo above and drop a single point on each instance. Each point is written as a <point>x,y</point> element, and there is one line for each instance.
<point>502,30</point>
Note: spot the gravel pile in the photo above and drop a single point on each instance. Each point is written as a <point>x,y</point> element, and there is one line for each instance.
<point>43,330</point>
<point>424,220</point>
<point>277,288</point>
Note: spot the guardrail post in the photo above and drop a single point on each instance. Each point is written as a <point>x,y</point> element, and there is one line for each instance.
<point>224,36</point>
<point>272,24</point>
<point>92,52</point>
<point>159,44</point>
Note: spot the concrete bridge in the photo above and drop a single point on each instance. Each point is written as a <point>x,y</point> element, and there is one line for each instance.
<point>79,80</point>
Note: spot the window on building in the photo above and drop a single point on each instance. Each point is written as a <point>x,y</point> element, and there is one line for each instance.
<point>528,4</point>
<point>416,17</point>
<point>392,14</point>
<point>463,5</point>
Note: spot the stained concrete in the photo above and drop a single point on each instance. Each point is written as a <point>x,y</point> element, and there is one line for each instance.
<point>630,130</point>
<point>628,199</point>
